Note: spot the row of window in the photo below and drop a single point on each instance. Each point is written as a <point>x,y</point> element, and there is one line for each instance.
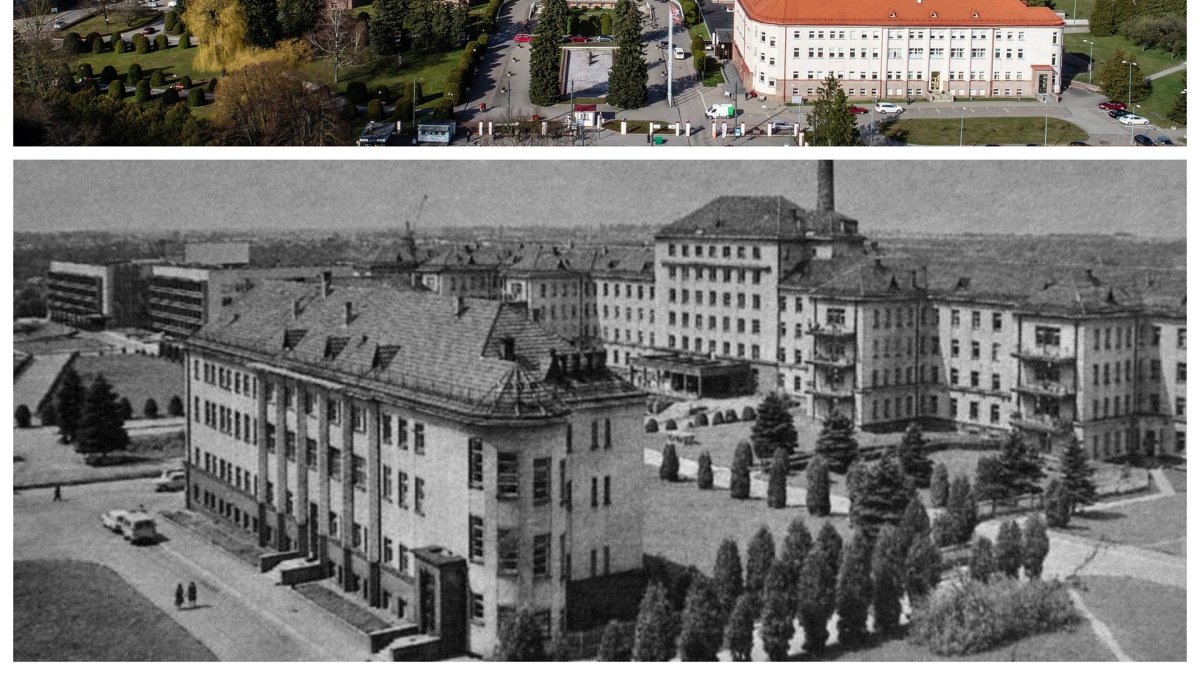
<point>616,313</point>
<point>616,290</point>
<point>697,344</point>
<point>726,252</point>
<point>726,323</point>
<point>726,274</point>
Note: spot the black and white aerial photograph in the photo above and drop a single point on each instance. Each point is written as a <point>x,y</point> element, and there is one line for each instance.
<point>741,410</point>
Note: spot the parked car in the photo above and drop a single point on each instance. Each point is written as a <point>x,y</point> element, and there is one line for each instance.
<point>138,527</point>
<point>1118,114</point>
<point>149,30</point>
<point>604,38</point>
<point>522,38</point>
<point>1130,120</point>
<point>112,519</point>
<point>173,3</point>
<point>1112,105</point>
<point>857,110</point>
<point>171,480</point>
<point>782,127</point>
<point>1143,139</point>
<point>1164,140</point>
<point>679,54</point>
<point>578,38</point>
<point>1077,143</point>
<point>885,107</point>
<point>58,25</point>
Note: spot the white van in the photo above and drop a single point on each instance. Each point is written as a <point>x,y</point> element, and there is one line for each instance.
<point>720,111</point>
<point>138,527</point>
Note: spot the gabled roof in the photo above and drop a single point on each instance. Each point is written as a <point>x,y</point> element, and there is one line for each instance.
<point>903,13</point>
<point>748,217</point>
<point>441,351</point>
<point>543,259</point>
<point>858,277</point>
<point>626,263</point>
<point>460,258</point>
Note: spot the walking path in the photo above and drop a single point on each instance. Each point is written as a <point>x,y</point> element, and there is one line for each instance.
<point>1098,627</point>
<point>758,487</point>
<point>1173,69</point>
<point>36,379</point>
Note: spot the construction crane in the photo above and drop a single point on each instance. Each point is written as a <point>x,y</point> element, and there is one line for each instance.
<point>410,240</point>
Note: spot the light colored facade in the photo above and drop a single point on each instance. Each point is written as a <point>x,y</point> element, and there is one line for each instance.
<point>913,49</point>
<point>625,306</point>
<point>96,295</point>
<point>447,427</point>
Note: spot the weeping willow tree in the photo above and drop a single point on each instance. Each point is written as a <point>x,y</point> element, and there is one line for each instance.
<point>220,29</point>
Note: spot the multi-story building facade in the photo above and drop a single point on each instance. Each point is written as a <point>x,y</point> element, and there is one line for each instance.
<point>463,272</point>
<point>96,296</point>
<point>625,307</point>
<point>913,49</point>
<point>444,458</point>
<point>555,292</point>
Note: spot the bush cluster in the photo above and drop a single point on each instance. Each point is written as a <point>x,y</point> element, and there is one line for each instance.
<point>969,616</point>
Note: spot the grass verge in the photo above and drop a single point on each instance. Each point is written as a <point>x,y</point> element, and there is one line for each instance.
<point>983,131</point>
<point>67,610</point>
<point>137,377</point>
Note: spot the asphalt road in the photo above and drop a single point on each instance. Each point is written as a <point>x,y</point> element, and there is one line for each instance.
<point>242,615</point>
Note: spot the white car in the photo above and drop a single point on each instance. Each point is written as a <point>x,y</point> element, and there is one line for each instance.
<point>112,519</point>
<point>679,55</point>
<point>1130,120</point>
<point>173,3</point>
<point>170,481</point>
<point>885,107</point>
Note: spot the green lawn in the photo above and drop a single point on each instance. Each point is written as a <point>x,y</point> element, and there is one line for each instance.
<point>982,131</point>
<point>1159,524</point>
<point>1082,8</point>
<point>699,29</point>
<point>1150,61</point>
<point>1161,101</point>
<point>96,24</point>
<point>136,377</point>
<point>1147,619</point>
<point>430,69</point>
<point>174,62</point>
<point>66,610</point>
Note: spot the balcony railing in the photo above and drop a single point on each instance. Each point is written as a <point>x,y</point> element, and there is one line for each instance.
<point>832,330</point>
<point>1041,423</point>
<point>827,391</point>
<point>832,360</point>
<point>1044,353</point>
<point>1046,388</point>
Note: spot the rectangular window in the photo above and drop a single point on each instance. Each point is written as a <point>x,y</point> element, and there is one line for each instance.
<point>475,463</point>
<point>335,463</point>
<point>386,472</point>
<point>358,471</point>
<point>608,490</point>
<point>508,552</point>
<point>419,495</point>
<point>508,476</point>
<point>419,438</point>
<point>541,555</point>
<point>541,481</point>
<point>402,490</point>
<point>475,525</point>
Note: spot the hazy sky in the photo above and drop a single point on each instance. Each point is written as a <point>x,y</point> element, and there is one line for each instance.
<point>1140,197</point>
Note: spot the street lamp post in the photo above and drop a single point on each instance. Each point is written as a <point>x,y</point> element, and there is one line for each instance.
<point>1074,7</point>
<point>962,120</point>
<point>1129,89</point>
<point>670,55</point>
<point>1090,45</point>
<point>1133,127</point>
<point>1046,128</point>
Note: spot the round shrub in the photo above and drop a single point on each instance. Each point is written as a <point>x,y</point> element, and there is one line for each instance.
<point>108,74</point>
<point>382,93</point>
<point>160,41</point>
<point>90,86</point>
<point>185,82</point>
<point>356,92</point>
<point>444,109</point>
<point>212,85</point>
<point>403,109</point>
<point>185,39</point>
<point>116,88</point>
<point>748,414</point>
<point>375,110</point>
<point>651,426</point>
<point>73,43</point>
<point>718,418</point>
<point>170,96</point>
<point>170,20</point>
<point>24,418</point>
<point>142,91</point>
<point>349,111</point>
<point>97,45</point>
<point>85,70</point>
<point>731,416</point>
<point>670,425</point>
<point>90,39</point>
<point>134,74</point>
<point>700,420</point>
<point>118,45</point>
<point>195,97</point>
<point>156,78</point>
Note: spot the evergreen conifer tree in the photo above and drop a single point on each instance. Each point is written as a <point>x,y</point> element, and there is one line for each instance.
<point>739,633</point>
<point>837,444</point>
<point>175,407</point>
<point>727,575</point>
<point>831,122</point>
<point>1035,545</point>
<point>816,497</point>
<point>1022,466</point>
<point>816,588</point>
<point>652,636</point>
<point>101,429</point>
<point>668,469</point>
<point>854,590</point>
<point>546,54</point>
<point>1077,475</point>
<point>150,409</point>
<point>887,576</point>
<point>739,473</point>
<point>1102,20</point>
<point>125,409</point>
<point>1118,81</point>
<point>704,471</point>
<point>703,622</point>
<point>773,428</point>
<point>24,418</point>
<point>614,643</point>
<point>628,77</point>
<point>1008,551</point>
<point>914,457</point>
<point>922,569</point>
<point>68,404</point>
<point>914,523</point>
<point>1179,110</point>
<point>1057,505</point>
<point>963,507</point>
<point>520,638</point>
<point>778,625</point>
<point>777,485</point>
<point>796,545</point>
<point>983,560</point>
<point>760,555</point>
<point>879,494</point>
<point>939,486</point>
<point>386,25</point>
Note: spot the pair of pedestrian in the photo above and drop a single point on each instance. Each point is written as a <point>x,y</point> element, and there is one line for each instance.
<point>191,595</point>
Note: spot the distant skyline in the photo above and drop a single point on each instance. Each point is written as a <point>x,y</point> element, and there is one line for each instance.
<point>1146,198</point>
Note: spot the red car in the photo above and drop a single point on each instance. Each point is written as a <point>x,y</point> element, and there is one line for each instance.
<point>523,37</point>
<point>1112,105</point>
<point>578,38</point>
<point>857,110</point>
<point>149,30</point>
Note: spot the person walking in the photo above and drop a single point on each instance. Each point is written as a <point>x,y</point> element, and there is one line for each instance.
<point>58,492</point>
<point>178,596</point>
<point>191,594</point>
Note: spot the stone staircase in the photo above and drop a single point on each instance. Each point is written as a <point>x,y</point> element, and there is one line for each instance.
<point>941,98</point>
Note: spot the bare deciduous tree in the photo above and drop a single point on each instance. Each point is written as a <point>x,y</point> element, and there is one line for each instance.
<point>38,60</point>
<point>338,37</point>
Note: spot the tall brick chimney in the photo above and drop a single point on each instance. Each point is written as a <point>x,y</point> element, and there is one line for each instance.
<point>825,185</point>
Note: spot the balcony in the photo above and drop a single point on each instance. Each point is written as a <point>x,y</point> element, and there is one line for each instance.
<point>1046,388</point>
<point>1042,424</point>
<point>830,330</point>
<point>1045,354</point>
<point>837,361</point>
<point>825,390</point>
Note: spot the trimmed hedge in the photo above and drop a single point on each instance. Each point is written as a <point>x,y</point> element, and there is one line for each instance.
<point>195,97</point>
<point>108,74</point>
<point>970,617</point>
<point>170,96</point>
<point>85,70</point>
<point>185,39</point>
<point>156,78</point>
<point>142,91</point>
<point>375,110</point>
<point>356,92</point>
<point>160,41</point>
<point>185,82</point>
<point>651,426</point>
<point>134,74</point>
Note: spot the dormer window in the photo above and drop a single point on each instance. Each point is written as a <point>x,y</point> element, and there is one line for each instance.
<point>891,15</point>
<point>292,337</point>
<point>334,346</point>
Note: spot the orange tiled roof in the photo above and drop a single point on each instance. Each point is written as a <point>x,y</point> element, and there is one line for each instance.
<point>947,13</point>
